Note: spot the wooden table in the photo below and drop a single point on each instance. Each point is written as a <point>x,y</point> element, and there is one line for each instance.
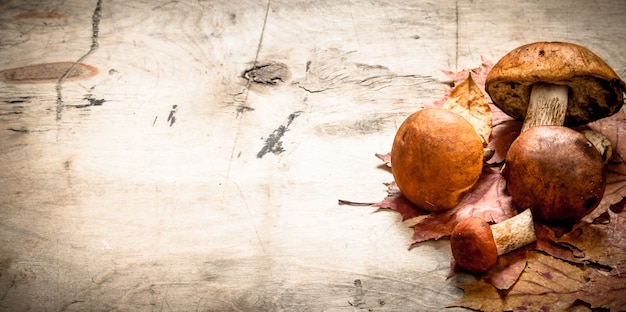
<point>168,176</point>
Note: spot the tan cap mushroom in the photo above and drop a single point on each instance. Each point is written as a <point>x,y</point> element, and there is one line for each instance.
<point>436,157</point>
<point>556,172</point>
<point>476,245</point>
<point>555,83</point>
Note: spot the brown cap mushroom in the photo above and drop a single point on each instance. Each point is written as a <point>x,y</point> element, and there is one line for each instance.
<point>556,172</point>
<point>436,157</point>
<point>555,83</point>
<point>476,245</point>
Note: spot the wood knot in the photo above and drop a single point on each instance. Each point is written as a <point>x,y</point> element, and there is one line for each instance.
<point>268,74</point>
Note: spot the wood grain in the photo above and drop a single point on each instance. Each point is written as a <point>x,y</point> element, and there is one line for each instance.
<point>170,181</point>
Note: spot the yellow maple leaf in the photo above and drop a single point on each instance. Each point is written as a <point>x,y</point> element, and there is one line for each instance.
<point>468,101</point>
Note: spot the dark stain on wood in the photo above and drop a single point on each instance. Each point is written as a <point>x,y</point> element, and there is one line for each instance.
<point>47,73</point>
<point>273,143</point>
<point>359,294</point>
<point>172,117</point>
<point>91,101</point>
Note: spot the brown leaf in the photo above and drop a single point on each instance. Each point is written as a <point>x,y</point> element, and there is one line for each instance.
<point>479,74</point>
<point>480,296</point>
<point>547,284</point>
<point>605,290</point>
<point>614,128</point>
<point>386,158</point>
<point>468,101</point>
<point>504,273</point>
<point>507,270</point>
<point>547,242</point>
<point>502,135</point>
<point>397,202</point>
<point>486,200</point>
<point>603,244</point>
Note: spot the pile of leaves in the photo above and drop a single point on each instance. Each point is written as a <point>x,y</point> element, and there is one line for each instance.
<point>583,265</point>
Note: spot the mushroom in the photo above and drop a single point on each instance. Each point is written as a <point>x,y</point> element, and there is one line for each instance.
<point>556,172</point>
<point>476,245</point>
<point>554,83</point>
<point>436,157</point>
<point>553,171</point>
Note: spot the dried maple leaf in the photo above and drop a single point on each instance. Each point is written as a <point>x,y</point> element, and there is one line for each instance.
<point>598,248</point>
<point>614,128</point>
<point>469,101</point>
<point>486,200</point>
<point>605,290</point>
<point>547,284</point>
<point>546,277</point>
<point>479,73</point>
<point>397,202</point>
<point>504,273</point>
<point>386,158</point>
<point>502,135</point>
<point>507,269</point>
<point>603,244</point>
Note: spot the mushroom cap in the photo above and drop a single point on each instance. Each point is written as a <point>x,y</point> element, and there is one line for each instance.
<point>595,90</point>
<point>556,172</point>
<point>473,246</point>
<point>436,157</point>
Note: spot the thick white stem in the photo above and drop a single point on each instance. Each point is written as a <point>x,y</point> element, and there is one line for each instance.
<point>547,105</point>
<point>514,233</point>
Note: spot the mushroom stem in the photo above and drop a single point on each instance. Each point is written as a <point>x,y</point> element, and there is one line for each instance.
<point>547,105</point>
<point>514,233</point>
<point>476,245</point>
<point>602,144</point>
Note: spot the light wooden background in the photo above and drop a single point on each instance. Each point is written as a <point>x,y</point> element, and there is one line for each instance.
<point>113,207</point>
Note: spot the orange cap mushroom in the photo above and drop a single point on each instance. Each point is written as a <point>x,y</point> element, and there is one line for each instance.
<point>476,245</point>
<point>436,157</point>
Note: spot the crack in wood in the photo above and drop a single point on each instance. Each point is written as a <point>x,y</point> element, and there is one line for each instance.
<point>11,285</point>
<point>95,24</point>
<point>243,107</point>
<point>10,113</point>
<point>18,130</point>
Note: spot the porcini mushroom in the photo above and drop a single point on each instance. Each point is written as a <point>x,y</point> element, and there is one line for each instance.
<point>436,157</point>
<point>554,83</point>
<point>556,172</point>
<point>553,171</point>
<point>476,245</point>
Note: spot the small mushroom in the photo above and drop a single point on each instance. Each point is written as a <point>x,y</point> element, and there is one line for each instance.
<point>555,83</point>
<point>476,245</point>
<point>556,172</point>
<point>436,157</point>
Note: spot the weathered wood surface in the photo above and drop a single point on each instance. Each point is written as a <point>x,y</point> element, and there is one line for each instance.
<point>168,181</point>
